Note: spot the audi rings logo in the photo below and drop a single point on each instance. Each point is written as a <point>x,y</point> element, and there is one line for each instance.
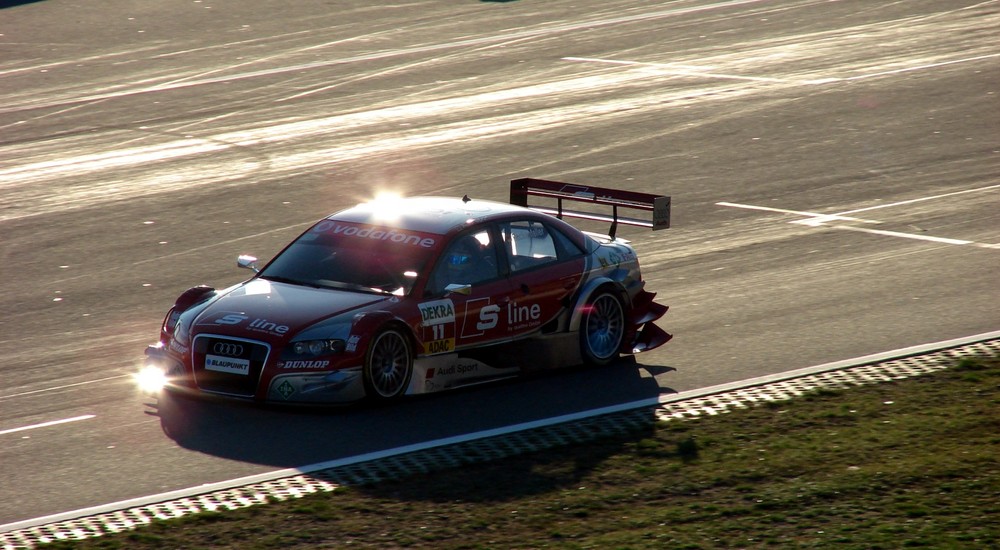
<point>225,348</point>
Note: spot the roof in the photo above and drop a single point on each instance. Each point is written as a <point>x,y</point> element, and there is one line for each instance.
<point>426,214</point>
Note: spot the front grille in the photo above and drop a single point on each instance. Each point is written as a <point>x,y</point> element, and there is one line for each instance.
<point>228,365</point>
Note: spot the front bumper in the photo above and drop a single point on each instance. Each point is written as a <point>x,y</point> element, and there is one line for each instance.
<point>336,387</point>
<point>320,388</point>
<point>172,369</point>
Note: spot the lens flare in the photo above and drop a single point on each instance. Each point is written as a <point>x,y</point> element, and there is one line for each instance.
<point>386,205</point>
<point>151,379</point>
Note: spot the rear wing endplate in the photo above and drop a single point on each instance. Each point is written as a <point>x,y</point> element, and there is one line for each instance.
<point>658,206</point>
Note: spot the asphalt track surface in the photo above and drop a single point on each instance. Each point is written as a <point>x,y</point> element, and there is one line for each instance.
<point>834,168</point>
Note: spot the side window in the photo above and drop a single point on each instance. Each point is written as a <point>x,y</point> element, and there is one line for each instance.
<point>530,244</point>
<point>470,258</point>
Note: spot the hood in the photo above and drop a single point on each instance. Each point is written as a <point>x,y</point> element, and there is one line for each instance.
<point>275,312</point>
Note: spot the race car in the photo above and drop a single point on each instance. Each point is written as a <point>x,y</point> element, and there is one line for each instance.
<point>418,295</point>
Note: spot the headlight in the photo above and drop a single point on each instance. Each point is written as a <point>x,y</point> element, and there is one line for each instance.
<point>151,379</point>
<point>312,348</point>
<point>170,321</point>
<point>181,335</point>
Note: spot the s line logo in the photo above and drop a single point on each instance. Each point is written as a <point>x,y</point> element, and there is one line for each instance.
<point>231,319</point>
<point>489,316</point>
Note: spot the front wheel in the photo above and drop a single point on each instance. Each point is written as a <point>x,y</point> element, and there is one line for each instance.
<point>388,365</point>
<point>602,329</point>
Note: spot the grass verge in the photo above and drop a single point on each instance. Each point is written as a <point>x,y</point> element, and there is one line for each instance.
<point>912,463</point>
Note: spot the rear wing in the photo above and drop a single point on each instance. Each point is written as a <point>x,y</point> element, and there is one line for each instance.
<point>657,205</point>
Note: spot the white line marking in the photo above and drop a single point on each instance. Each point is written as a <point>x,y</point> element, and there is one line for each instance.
<point>903,235</point>
<point>56,388</point>
<point>47,424</point>
<point>921,199</point>
<point>919,67</point>
<point>815,217</point>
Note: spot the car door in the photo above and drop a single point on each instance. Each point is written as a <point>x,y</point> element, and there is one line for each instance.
<point>545,268</point>
<point>465,295</point>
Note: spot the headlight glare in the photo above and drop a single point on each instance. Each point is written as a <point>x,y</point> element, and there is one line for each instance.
<point>151,379</point>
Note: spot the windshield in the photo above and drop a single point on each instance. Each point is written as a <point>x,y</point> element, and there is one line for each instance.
<point>353,256</point>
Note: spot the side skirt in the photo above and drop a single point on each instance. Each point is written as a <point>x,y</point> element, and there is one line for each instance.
<point>477,366</point>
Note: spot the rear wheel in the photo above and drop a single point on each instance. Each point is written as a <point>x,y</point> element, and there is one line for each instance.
<point>388,365</point>
<point>602,329</point>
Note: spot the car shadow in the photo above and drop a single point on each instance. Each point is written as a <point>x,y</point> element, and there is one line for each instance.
<point>13,3</point>
<point>305,437</point>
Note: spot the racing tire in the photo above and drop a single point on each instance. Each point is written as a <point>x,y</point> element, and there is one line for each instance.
<point>388,365</point>
<point>602,329</point>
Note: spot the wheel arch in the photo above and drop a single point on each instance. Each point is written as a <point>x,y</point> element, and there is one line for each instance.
<point>373,326</point>
<point>600,284</point>
<point>368,324</point>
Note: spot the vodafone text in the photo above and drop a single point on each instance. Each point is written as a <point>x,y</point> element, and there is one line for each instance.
<point>378,234</point>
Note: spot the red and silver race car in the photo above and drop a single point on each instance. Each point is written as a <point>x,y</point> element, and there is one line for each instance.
<point>418,295</point>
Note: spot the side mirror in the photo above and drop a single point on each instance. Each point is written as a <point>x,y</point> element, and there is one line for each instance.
<point>463,289</point>
<point>247,262</point>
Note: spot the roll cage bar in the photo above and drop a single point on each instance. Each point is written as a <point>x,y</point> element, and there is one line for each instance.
<point>657,205</point>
